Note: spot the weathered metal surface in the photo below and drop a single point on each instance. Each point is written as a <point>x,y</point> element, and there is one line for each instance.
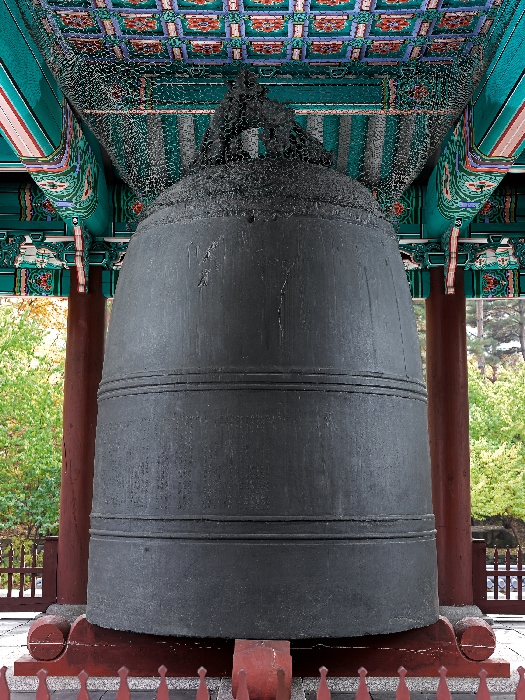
<point>262,466</point>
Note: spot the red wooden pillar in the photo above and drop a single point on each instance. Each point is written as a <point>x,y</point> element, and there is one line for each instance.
<point>84,357</point>
<point>448,427</point>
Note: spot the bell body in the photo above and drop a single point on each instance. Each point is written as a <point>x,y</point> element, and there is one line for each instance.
<point>262,465</point>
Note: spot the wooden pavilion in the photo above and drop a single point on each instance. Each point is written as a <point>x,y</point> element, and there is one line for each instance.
<point>103,103</point>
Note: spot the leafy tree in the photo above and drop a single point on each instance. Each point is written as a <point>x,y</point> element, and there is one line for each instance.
<point>419,311</point>
<point>497,408</point>
<point>31,387</point>
<point>497,442</point>
<point>497,323</point>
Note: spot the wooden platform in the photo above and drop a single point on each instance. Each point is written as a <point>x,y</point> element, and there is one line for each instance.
<point>102,652</point>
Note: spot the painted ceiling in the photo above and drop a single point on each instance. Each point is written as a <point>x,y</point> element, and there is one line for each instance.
<point>379,82</point>
<point>268,32</point>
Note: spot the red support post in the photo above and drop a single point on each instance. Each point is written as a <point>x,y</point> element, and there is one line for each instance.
<point>49,573</point>
<point>448,427</point>
<point>84,358</point>
<point>479,573</point>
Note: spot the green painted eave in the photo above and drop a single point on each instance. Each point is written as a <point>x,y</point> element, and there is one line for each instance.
<point>24,74</point>
<point>502,90</point>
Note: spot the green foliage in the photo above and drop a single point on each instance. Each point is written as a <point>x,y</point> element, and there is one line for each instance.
<point>498,323</point>
<point>31,387</point>
<point>497,406</point>
<point>5,560</point>
<point>497,442</point>
<point>419,311</point>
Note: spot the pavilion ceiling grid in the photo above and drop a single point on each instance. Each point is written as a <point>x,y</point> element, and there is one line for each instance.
<point>269,32</point>
<point>378,82</point>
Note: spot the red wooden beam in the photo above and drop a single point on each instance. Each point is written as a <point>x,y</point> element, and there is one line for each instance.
<point>448,427</point>
<point>102,651</point>
<point>84,358</point>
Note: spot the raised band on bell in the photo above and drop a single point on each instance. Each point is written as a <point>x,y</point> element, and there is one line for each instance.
<point>275,469</point>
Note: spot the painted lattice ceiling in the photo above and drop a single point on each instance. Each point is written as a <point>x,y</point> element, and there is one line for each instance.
<point>380,82</point>
<point>269,32</point>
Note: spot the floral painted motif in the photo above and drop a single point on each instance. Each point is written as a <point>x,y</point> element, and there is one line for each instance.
<point>398,208</point>
<point>500,208</point>
<point>87,45</point>
<point>465,176</point>
<point>386,47</point>
<point>393,23</point>
<point>34,205</point>
<point>140,23</point>
<point>490,283</point>
<point>332,3</point>
<point>77,20</point>
<point>46,204</point>
<point>326,47</point>
<point>407,209</point>
<point>208,48</point>
<point>203,23</point>
<point>267,24</point>
<point>486,209</point>
<point>267,2</point>
<point>70,191</point>
<point>445,46</point>
<point>419,92</point>
<point>445,182</point>
<point>499,283</point>
<point>36,282</point>
<point>456,20</point>
<point>146,47</point>
<point>43,280</point>
<point>329,24</point>
<point>116,92</point>
<point>480,186</point>
<point>53,186</point>
<point>267,47</point>
<point>126,206</point>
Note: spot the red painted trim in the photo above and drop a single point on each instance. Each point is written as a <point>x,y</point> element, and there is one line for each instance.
<point>513,136</point>
<point>58,161</point>
<point>14,126</point>
<point>79,259</point>
<point>453,260</point>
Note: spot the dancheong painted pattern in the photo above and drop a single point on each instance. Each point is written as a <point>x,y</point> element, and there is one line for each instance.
<point>269,32</point>
<point>378,82</point>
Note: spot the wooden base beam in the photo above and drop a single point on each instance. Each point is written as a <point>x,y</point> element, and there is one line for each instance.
<point>101,652</point>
